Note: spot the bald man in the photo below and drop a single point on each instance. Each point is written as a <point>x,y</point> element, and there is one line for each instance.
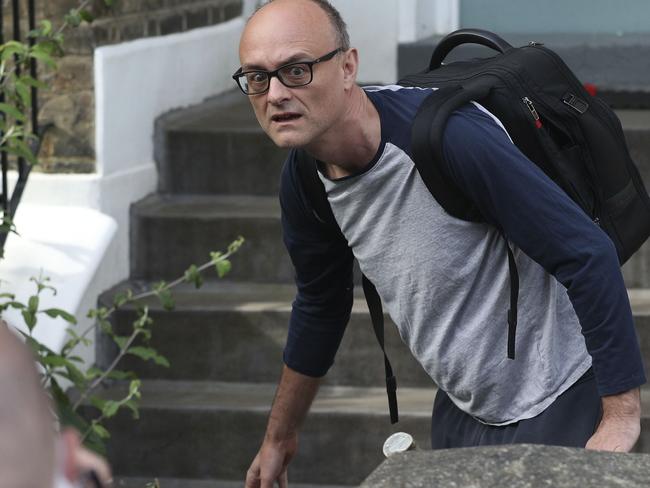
<point>32,454</point>
<point>444,282</point>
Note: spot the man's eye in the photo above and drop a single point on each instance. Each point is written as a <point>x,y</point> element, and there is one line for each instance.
<point>257,77</point>
<point>297,71</point>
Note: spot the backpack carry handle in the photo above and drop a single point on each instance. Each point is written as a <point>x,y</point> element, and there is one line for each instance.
<point>466,36</point>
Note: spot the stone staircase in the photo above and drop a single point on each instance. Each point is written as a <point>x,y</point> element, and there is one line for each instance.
<point>203,419</point>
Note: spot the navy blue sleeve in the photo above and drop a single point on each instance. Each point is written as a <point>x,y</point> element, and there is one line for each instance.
<point>537,216</point>
<point>323,275</point>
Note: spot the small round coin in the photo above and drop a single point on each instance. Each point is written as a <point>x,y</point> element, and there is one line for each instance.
<point>398,442</point>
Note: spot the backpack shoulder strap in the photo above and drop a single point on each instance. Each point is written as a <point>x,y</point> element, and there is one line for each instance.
<point>314,189</point>
<point>317,199</point>
<point>426,142</point>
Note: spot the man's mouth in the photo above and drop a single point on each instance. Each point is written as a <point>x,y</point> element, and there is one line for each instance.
<point>285,117</point>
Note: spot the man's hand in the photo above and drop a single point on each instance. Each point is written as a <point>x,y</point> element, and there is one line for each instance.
<point>620,426</point>
<point>270,464</point>
<point>292,401</point>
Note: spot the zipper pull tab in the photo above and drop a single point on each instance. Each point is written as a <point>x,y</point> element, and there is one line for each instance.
<point>533,111</point>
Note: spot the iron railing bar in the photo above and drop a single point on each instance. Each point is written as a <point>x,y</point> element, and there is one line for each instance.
<point>32,67</point>
<point>23,168</point>
<point>4,197</point>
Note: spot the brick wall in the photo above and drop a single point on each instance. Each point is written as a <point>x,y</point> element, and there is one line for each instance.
<point>67,111</point>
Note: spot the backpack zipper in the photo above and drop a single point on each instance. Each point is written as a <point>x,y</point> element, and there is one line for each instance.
<point>531,108</point>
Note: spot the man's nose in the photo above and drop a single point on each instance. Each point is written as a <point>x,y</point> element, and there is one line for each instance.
<point>277,93</point>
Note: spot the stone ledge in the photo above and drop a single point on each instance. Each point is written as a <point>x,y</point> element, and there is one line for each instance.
<point>515,466</point>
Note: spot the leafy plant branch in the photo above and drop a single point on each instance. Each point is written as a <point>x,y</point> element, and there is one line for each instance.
<point>56,366</point>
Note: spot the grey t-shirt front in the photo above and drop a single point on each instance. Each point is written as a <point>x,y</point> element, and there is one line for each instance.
<point>445,283</point>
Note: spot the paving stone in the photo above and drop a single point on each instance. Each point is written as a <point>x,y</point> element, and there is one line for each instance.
<point>521,466</point>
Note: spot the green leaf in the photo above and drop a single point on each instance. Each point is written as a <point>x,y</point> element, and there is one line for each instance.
<point>55,312</point>
<point>97,402</point>
<point>54,361</point>
<point>30,319</point>
<point>143,320</point>
<point>75,375</point>
<point>93,372</point>
<point>132,405</point>
<point>100,431</point>
<point>12,111</point>
<point>110,409</point>
<point>86,16</point>
<point>193,275</point>
<point>106,326</point>
<point>235,245</point>
<point>167,300</point>
<point>120,341</point>
<point>122,298</point>
<point>121,375</point>
<point>12,48</point>
<point>8,295</point>
<point>148,353</point>
<point>46,27</point>
<point>29,81</point>
<point>134,389</point>
<point>25,151</point>
<point>223,267</point>
<point>100,313</point>
<point>24,93</point>
<point>43,56</point>
<point>72,18</point>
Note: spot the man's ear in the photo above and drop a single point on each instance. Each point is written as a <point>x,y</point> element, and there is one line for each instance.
<point>350,67</point>
<point>71,442</point>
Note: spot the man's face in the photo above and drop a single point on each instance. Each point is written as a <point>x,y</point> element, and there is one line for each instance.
<point>286,31</point>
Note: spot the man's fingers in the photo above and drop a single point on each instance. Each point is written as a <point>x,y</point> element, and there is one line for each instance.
<point>253,477</point>
<point>283,481</point>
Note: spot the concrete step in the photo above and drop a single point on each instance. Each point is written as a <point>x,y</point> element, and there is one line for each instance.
<point>199,430</point>
<point>216,147</point>
<point>170,232</point>
<point>617,65</point>
<point>161,225</point>
<point>237,332</point>
<point>189,483</point>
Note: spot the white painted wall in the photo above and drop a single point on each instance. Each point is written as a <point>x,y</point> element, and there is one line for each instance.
<point>63,243</point>
<point>423,18</point>
<point>374,29</point>
<point>135,82</point>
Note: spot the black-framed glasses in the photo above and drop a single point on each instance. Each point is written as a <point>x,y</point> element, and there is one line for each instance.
<point>301,73</point>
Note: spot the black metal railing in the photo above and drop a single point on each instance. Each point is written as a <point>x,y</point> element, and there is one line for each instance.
<point>10,202</point>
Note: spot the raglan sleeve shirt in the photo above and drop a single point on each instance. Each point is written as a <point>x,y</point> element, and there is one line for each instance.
<point>539,218</point>
<point>323,276</point>
<point>512,193</point>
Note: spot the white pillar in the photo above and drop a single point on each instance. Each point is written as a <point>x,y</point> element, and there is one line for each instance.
<point>423,18</point>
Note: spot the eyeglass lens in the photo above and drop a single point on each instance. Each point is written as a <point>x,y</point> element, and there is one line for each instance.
<point>297,74</point>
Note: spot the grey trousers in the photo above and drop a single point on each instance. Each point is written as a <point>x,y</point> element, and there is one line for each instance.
<point>569,421</point>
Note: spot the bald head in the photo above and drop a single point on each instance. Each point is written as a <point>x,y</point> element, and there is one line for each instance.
<point>26,423</point>
<point>337,24</point>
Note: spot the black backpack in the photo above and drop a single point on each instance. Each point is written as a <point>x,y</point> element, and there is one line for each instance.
<point>575,138</point>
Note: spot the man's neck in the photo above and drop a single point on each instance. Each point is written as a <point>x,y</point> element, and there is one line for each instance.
<point>352,144</point>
